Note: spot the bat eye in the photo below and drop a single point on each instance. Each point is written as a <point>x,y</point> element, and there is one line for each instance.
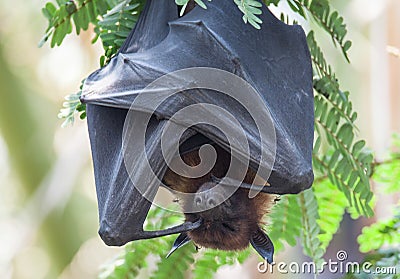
<point>198,201</point>
<point>226,226</point>
<point>211,202</point>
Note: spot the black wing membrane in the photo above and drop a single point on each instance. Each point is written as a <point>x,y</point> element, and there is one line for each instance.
<point>275,61</point>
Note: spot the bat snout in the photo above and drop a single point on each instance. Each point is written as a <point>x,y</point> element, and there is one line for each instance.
<point>208,200</point>
<point>109,236</point>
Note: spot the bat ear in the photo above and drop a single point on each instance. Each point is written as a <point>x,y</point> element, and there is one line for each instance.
<point>263,245</point>
<point>181,240</point>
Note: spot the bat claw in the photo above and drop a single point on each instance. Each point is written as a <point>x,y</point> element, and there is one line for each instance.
<point>180,241</point>
<point>183,238</point>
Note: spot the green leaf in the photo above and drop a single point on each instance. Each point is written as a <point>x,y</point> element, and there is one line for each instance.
<point>115,26</point>
<point>330,21</point>
<point>71,107</point>
<point>250,10</point>
<point>309,234</point>
<point>331,205</point>
<point>348,162</point>
<point>201,4</point>
<point>286,223</point>
<point>182,260</point>
<point>381,233</point>
<point>82,12</point>
<point>210,261</point>
<point>181,2</point>
<point>49,10</point>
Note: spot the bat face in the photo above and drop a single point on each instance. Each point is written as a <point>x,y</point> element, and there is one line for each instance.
<point>226,223</point>
<point>227,226</point>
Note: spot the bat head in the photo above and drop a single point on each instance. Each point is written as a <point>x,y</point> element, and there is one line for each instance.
<point>227,224</point>
<point>230,224</point>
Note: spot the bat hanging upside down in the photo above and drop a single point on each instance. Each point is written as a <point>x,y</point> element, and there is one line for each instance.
<point>232,224</point>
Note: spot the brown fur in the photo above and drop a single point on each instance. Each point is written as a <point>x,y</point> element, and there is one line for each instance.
<point>224,227</point>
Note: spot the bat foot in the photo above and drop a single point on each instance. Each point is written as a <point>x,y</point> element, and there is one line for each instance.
<point>263,245</point>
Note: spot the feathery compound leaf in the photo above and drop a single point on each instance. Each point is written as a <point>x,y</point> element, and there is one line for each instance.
<point>331,22</point>
<point>182,260</point>
<point>387,261</point>
<point>346,162</point>
<point>251,10</point>
<point>133,259</point>
<point>331,205</point>
<point>387,173</point>
<point>71,107</point>
<point>309,216</point>
<point>381,233</point>
<point>115,26</point>
<point>82,12</point>
<point>113,29</point>
<point>210,261</point>
<point>385,233</point>
<point>286,222</point>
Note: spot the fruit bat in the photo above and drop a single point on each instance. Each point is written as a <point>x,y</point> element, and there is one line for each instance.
<point>229,224</point>
<point>274,61</point>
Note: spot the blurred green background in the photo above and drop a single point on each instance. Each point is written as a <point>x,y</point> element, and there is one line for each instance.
<point>48,210</point>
